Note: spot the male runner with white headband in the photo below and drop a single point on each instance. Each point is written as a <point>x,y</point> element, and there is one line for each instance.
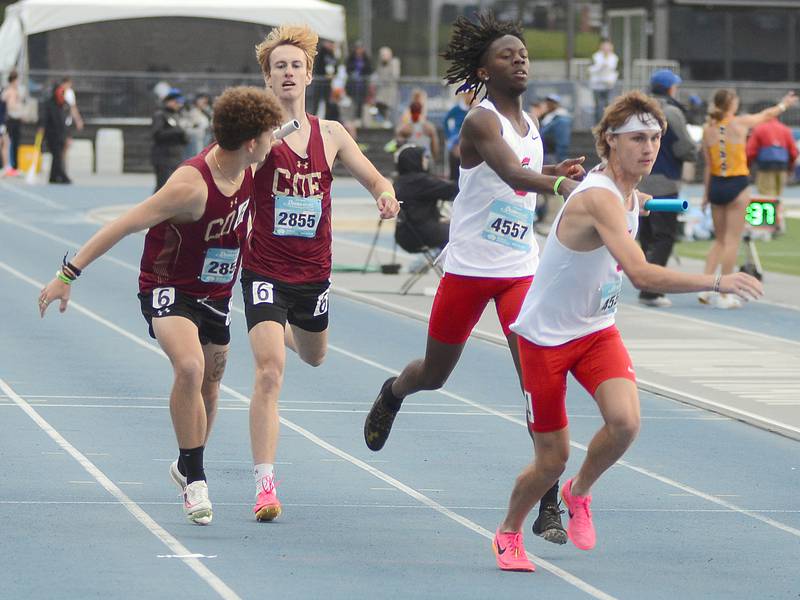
<point>566,323</point>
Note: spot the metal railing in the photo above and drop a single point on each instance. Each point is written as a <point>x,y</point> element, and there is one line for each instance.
<point>129,95</point>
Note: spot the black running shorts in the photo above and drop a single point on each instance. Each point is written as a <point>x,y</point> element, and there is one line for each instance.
<point>212,317</point>
<point>304,305</point>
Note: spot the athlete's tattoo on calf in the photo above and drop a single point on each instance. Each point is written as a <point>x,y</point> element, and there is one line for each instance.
<point>218,361</point>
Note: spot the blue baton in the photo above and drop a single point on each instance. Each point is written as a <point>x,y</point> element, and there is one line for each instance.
<point>667,205</point>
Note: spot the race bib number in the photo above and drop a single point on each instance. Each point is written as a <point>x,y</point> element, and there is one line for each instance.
<point>509,225</point>
<point>219,265</point>
<point>262,292</point>
<point>609,296</point>
<point>163,297</point>
<point>296,216</point>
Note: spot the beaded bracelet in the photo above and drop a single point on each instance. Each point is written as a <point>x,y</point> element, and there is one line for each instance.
<point>717,282</point>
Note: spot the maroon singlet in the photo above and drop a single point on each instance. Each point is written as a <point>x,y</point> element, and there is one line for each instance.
<point>202,258</point>
<point>291,236</point>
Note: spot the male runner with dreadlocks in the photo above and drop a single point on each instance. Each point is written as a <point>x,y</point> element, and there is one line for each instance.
<point>492,254</point>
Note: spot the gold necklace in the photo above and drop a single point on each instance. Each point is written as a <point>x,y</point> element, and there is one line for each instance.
<point>219,168</point>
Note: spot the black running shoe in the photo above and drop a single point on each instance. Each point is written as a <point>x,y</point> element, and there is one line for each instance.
<point>548,524</point>
<point>379,420</point>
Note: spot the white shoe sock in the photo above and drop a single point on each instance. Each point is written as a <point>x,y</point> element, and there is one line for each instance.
<point>262,470</point>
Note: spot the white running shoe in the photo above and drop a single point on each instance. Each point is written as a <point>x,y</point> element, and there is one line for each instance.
<point>706,297</point>
<point>196,504</point>
<point>726,301</point>
<point>657,302</point>
<point>177,477</point>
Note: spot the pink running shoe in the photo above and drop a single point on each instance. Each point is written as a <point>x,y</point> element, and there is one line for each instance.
<point>510,552</point>
<point>268,507</point>
<point>580,528</point>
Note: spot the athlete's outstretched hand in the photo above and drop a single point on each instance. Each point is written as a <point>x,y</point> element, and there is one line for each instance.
<point>55,290</point>
<point>571,167</point>
<point>743,285</point>
<point>388,206</point>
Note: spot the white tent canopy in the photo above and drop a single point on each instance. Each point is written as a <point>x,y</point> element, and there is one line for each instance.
<point>35,16</point>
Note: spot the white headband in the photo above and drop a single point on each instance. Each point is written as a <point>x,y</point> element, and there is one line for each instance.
<point>645,122</point>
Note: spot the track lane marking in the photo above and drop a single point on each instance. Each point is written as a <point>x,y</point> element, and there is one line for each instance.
<point>132,507</point>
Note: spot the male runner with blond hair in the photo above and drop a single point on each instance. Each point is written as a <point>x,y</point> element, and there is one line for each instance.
<point>287,265</point>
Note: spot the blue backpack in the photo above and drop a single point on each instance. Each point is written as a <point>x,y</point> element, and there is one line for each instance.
<point>773,158</point>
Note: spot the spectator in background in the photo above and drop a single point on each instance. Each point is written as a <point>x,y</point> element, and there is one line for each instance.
<point>323,72</point>
<point>419,132</point>
<point>386,77</point>
<point>359,70</point>
<point>421,97</point>
<point>341,107</point>
<point>603,76</point>
<point>53,121</point>
<point>169,138</point>
<point>12,99</point>
<point>727,181</point>
<point>696,111</point>
<point>555,127</point>
<point>658,230</point>
<point>74,118</point>
<point>4,144</point>
<point>452,131</point>
<point>420,223</point>
<point>772,149</point>
<point>196,121</point>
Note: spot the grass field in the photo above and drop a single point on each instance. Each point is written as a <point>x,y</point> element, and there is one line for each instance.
<point>780,255</point>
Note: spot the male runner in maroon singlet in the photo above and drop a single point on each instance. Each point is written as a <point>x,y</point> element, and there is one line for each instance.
<point>287,262</point>
<point>191,257</point>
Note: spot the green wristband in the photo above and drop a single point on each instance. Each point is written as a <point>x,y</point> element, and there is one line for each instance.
<point>63,277</point>
<point>558,183</point>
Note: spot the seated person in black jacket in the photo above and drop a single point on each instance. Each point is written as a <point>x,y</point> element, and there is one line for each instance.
<point>420,223</point>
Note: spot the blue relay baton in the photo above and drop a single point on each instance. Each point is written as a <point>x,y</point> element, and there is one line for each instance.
<point>675,205</point>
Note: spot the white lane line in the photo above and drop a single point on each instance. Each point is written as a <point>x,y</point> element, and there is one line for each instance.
<point>31,196</point>
<point>548,566</point>
<point>138,513</point>
<point>726,410</point>
<point>642,471</point>
<point>425,413</point>
<point>182,556</point>
<point>415,506</point>
<point>665,480</point>
<point>749,332</point>
<point>656,388</point>
<point>66,242</point>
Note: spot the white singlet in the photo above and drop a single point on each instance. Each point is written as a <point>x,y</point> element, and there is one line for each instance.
<point>574,293</point>
<point>491,228</point>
